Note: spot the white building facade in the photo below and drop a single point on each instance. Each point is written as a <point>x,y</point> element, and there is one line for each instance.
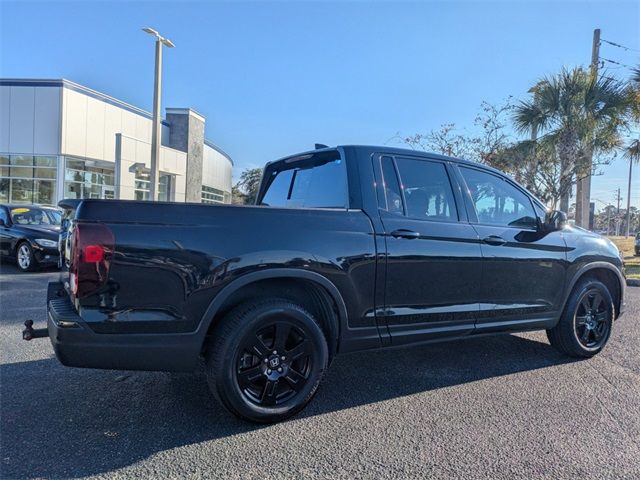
<point>61,140</point>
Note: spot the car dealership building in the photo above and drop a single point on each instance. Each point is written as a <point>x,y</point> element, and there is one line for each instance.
<point>60,140</point>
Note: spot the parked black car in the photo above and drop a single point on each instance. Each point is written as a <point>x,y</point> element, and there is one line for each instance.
<point>29,234</point>
<point>349,248</point>
<point>637,244</point>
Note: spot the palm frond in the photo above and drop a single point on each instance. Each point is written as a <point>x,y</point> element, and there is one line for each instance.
<point>632,152</point>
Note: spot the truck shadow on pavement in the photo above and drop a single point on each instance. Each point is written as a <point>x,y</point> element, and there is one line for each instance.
<point>63,422</point>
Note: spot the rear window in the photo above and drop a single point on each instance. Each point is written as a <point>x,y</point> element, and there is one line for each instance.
<point>309,183</point>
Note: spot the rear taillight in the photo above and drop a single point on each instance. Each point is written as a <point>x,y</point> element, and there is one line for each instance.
<point>91,255</point>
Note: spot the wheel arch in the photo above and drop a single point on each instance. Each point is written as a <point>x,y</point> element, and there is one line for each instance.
<point>313,291</point>
<point>607,274</point>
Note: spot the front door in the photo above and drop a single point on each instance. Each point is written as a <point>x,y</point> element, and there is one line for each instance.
<point>523,273</point>
<point>433,262</point>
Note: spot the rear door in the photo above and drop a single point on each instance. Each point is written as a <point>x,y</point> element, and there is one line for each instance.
<point>433,259</point>
<point>523,274</point>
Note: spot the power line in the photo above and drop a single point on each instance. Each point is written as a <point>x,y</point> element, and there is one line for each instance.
<point>628,49</point>
<point>616,63</point>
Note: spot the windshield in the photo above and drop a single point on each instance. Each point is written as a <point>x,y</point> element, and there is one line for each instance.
<point>35,216</point>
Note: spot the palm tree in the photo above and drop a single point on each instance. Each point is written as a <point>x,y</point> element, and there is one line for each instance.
<point>580,114</point>
<point>632,152</point>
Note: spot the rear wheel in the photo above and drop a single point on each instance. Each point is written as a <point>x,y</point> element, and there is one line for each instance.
<point>585,326</point>
<point>24,257</point>
<point>266,360</point>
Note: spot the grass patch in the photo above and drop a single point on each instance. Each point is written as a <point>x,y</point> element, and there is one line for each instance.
<point>631,262</point>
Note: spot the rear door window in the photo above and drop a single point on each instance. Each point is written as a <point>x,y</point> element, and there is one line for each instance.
<point>392,200</point>
<point>422,191</point>
<point>310,185</point>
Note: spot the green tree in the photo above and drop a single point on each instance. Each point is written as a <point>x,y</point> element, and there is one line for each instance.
<point>534,165</point>
<point>245,191</point>
<point>632,154</point>
<point>581,115</point>
<point>488,139</point>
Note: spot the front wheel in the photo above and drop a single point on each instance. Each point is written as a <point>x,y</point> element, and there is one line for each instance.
<point>585,325</point>
<point>25,259</point>
<point>266,360</point>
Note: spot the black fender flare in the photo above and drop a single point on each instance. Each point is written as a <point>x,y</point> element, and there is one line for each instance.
<point>292,273</point>
<point>597,265</point>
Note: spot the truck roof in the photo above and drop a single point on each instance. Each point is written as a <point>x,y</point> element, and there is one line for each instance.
<point>370,149</point>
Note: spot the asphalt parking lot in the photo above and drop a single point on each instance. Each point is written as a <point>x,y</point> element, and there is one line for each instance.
<point>499,407</point>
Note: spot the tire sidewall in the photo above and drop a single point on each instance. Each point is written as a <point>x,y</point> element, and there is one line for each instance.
<point>573,306</point>
<point>227,382</point>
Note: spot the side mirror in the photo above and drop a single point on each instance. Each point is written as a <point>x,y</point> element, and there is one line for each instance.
<point>554,220</point>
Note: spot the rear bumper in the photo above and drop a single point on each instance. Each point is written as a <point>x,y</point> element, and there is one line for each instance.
<point>76,345</point>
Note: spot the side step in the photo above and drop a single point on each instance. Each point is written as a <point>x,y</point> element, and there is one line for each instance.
<point>29,333</point>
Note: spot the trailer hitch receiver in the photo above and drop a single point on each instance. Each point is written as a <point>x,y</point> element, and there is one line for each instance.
<point>30,333</point>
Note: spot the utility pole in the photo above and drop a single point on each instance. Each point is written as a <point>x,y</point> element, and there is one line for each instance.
<point>618,213</point>
<point>633,155</point>
<point>155,130</point>
<point>595,52</point>
<point>629,199</point>
<point>583,187</point>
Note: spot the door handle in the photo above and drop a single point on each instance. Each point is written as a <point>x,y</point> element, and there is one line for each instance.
<point>404,233</point>
<point>494,240</point>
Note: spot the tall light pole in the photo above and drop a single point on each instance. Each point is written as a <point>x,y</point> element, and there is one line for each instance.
<point>155,131</point>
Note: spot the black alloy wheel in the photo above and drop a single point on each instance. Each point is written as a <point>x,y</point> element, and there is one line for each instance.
<point>585,325</point>
<point>265,359</point>
<point>274,363</point>
<point>592,317</point>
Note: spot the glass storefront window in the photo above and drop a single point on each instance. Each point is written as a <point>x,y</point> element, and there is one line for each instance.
<point>45,162</point>
<point>213,195</point>
<point>143,185</point>
<point>21,160</point>
<point>4,165</point>
<point>4,190</point>
<point>164,188</point>
<point>83,179</point>
<point>21,191</point>
<point>28,179</point>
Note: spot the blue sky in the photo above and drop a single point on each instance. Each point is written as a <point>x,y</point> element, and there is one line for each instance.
<point>274,78</point>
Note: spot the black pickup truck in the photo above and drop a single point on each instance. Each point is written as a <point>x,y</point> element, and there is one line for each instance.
<point>347,249</point>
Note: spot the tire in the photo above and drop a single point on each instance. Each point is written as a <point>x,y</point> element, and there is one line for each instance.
<point>587,320</point>
<point>266,360</point>
<point>25,260</point>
